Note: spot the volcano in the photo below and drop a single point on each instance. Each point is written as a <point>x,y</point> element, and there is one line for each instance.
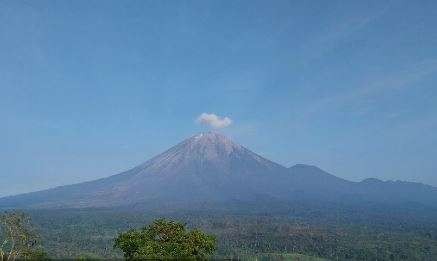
<point>210,168</point>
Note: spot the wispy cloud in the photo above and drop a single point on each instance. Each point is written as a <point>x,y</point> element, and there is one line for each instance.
<point>371,90</point>
<point>336,33</point>
<point>213,120</point>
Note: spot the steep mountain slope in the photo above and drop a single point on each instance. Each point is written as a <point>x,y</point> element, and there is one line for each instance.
<point>210,168</point>
<point>312,178</point>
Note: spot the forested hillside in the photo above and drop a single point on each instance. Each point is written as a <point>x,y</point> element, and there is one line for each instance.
<point>90,233</point>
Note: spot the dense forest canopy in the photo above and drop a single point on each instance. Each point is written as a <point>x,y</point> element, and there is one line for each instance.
<point>333,233</point>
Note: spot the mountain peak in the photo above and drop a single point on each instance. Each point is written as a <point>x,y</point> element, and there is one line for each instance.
<point>213,139</point>
<point>212,135</point>
<point>211,147</point>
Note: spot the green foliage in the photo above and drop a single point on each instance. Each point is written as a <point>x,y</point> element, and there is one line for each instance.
<point>18,238</point>
<point>334,235</point>
<point>165,239</point>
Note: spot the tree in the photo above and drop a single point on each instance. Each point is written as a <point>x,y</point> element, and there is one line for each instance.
<point>18,239</point>
<point>165,239</point>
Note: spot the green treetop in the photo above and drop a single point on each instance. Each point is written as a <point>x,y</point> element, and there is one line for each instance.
<point>165,239</point>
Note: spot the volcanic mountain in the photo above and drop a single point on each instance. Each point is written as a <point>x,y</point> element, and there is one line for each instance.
<point>209,167</point>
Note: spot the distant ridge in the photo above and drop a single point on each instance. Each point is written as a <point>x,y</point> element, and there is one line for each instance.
<point>210,168</point>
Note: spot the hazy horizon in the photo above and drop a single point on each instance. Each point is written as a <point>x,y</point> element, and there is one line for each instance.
<point>91,88</point>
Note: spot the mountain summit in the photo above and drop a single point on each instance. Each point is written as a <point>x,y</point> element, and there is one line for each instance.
<point>210,168</point>
<point>200,154</point>
<point>207,167</point>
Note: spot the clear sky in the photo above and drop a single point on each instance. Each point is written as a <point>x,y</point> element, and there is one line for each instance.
<point>92,88</point>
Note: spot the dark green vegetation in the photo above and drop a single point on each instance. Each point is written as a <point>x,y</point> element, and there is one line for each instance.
<point>328,231</point>
<point>165,239</point>
<point>18,239</point>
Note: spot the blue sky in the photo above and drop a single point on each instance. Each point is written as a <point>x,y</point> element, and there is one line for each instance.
<point>92,88</point>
